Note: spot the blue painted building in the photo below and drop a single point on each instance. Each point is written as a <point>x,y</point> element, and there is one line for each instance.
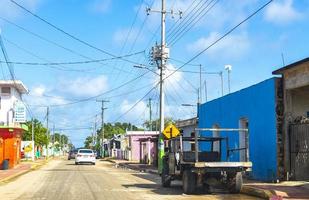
<point>253,108</point>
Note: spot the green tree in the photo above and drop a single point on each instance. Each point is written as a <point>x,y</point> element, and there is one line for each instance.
<point>110,130</point>
<point>88,142</point>
<point>40,137</point>
<point>61,139</point>
<point>155,124</point>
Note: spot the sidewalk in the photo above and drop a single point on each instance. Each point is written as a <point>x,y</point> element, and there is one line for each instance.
<point>133,165</point>
<point>273,191</point>
<point>22,168</point>
<point>278,191</point>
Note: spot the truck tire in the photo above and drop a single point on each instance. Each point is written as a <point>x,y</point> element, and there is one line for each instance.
<point>188,182</point>
<point>165,177</point>
<point>235,183</point>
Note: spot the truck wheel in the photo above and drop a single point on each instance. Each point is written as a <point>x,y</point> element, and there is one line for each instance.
<point>165,177</point>
<point>188,182</point>
<point>235,183</point>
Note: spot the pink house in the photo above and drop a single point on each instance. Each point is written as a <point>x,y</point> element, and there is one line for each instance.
<point>143,146</point>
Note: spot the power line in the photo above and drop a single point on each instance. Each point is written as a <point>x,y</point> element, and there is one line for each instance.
<point>191,24</point>
<point>127,37</point>
<point>69,129</point>
<point>184,19</point>
<point>68,34</point>
<point>96,96</point>
<point>43,38</point>
<point>138,34</point>
<point>72,62</point>
<point>62,68</point>
<point>10,65</point>
<point>53,43</point>
<point>136,103</point>
<point>220,38</point>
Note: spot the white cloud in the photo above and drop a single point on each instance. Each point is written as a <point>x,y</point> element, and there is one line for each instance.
<point>121,35</point>
<point>172,78</point>
<point>38,91</point>
<point>39,96</point>
<point>101,6</point>
<point>11,11</point>
<point>136,114</point>
<point>282,12</point>
<point>228,13</point>
<point>85,86</point>
<point>233,46</point>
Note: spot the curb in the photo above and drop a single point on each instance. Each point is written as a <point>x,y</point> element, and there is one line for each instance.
<point>32,168</point>
<point>137,169</point>
<point>257,192</point>
<point>109,160</point>
<point>123,165</point>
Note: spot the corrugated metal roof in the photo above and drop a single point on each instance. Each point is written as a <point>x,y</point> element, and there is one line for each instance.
<point>281,70</point>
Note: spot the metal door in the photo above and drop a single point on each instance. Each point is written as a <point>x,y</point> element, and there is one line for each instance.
<point>299,151</point>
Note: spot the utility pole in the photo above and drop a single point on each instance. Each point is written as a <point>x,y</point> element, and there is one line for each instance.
<point>150,114</point>
<point>47,132</point>
<point>32,138</point>
<point>94,136</point>
<point>200,90</point>
<point>162,70</point>
<point>160,54</point>
<point>221,76</point>
<point>53,139</point>
<point>102,125</point>
<point>205,83</point>
<point>229,69</point>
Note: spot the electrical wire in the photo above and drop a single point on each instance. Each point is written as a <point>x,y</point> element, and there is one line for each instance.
<point>96,96</point>
<point>137,35</point>
<point>51,42</point>
<point>136,103</point>
<point>221,37</point>
<point>43,38</point>
<point>68,34</point>
<point>183,20</point>
<point>192,23</point>
<point>73,62</point>
<point>58,67</point>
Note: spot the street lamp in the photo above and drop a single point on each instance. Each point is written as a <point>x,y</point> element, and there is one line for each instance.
<point>229,69</point>
<point>191,105</point>
<point>144,67</point>
<point>186,104</point>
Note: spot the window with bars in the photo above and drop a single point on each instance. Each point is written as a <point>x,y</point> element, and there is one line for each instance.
<point>6,91</point>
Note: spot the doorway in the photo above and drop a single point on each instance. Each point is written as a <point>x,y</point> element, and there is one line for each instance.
<point>243,140</point>
<point>216,134</point>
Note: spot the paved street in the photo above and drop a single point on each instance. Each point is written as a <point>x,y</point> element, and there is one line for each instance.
<point>61,179</point>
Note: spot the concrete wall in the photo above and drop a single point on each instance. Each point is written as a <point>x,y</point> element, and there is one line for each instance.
<point>187,133</point>
<point>257,105</point>
<point>136,148</point>
<point>297,77</point>
<point>7,106</point>
<point>300,101</point>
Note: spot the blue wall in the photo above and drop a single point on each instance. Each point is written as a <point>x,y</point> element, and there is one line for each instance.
<point>257,104</point>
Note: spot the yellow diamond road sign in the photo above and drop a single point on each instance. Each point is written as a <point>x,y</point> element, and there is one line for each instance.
<point>171,131</point>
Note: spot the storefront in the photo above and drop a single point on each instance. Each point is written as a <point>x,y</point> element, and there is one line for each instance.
<point>10,145</point>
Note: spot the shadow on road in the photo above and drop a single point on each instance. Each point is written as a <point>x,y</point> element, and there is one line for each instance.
<point>176,187</point>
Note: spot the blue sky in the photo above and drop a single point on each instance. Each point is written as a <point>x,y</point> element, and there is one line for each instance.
<point>254,51</point>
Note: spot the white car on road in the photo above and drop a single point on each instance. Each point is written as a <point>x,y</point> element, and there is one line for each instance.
<point>85,156</point>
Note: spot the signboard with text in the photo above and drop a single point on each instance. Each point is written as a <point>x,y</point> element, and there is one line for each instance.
<point>20,112</point>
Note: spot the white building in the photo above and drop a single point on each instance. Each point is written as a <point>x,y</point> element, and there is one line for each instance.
<point>188,127</point>
<point>12,109</point>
